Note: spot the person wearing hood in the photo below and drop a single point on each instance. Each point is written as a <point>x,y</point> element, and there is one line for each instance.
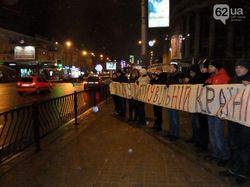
<point>239,135</point>
<point>143,79</point>
<point>220,150</point>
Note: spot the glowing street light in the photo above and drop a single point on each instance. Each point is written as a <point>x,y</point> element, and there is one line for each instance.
<point>140,42</point>
<point>101,55</point>
<point>56,43</point>
<point>68,44</point>
<point>84,53</point>
<point>108,58</point>
<point>93,54</point>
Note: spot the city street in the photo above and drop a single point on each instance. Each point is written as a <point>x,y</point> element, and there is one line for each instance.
<point>10,98</point>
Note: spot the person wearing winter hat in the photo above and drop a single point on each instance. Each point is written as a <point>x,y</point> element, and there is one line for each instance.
<point>239,135</point>
<point>220,150</point>
<point>203,122</point>
<point>242,70</point>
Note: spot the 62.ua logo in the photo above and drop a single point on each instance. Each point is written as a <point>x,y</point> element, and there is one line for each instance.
<point>223,11</point>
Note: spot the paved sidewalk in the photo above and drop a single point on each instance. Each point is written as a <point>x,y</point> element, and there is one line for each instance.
<point>105,151</point>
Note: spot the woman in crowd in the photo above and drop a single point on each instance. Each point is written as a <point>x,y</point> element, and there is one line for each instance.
<point>143,79</point>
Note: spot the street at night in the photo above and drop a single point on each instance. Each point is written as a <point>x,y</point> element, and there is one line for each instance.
<point>12,99</point>
<point>146,93</point>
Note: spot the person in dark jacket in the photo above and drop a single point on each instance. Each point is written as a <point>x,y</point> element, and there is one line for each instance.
<point>122,101</point>
<point>194,73</point>
<point>203,122</point>
<point>157,79</point>
<point>133,109</point>
<point>239,135</point>
<point>173,115</point>
<point>115,97</point>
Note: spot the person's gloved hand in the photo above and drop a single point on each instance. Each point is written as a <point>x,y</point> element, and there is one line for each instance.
<point>206,84</point>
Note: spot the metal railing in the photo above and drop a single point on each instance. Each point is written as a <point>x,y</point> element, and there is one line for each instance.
<point>24,126</point>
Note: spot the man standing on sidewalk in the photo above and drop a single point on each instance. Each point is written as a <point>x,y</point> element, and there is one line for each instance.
<point>156,79</point>
<point>121,101</point>
<point>203,122</point>
<point>173,115</point>
<point>220,150</point>
<point>239,135</point>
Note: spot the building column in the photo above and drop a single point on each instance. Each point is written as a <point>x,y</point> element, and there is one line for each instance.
<point>197,35</point>
<point>230,39</point>
<point>244,44</point>
<point>211,38</point>
<point>187,40</point>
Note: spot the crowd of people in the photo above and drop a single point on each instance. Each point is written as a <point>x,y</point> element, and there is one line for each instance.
<point>231,150</point>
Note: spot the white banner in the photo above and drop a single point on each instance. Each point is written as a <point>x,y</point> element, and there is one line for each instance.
<point>229,101</point>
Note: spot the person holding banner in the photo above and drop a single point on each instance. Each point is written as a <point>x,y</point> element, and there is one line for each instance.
<point>220,150</point>
<point>239,135</point>
<point>156,79</point>
<point>121,101</point>
<point>132,103</point>
<point>173,115</point>
<point>203,122</point>
<point>115,97</point>
<point>194,73</point>
<point>142,80</point>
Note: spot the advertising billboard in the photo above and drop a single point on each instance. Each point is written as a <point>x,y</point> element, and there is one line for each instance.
<point>176,45</point>
<point>111,66</point>
<point>25,53</point>
<point>158,13</point>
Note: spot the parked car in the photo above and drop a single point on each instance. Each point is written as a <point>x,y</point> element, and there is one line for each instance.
<point>92,82</point>
<point>33,84</point>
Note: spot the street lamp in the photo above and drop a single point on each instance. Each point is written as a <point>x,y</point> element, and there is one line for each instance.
<point>84,53</point>
<point>68,44</point>
<point>101,55</point>
<point>93,54</point>
<point>140,42</point>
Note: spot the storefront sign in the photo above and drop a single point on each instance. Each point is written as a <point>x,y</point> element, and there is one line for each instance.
<point>25,53</point>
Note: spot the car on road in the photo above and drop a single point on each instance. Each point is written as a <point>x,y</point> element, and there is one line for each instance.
<point>33,84</point>
<point>92,82</point>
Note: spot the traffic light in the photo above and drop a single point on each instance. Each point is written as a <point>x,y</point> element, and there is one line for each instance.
<point>59,64</point>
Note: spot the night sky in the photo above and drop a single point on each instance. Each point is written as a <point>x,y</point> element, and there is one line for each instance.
<point>111,27</point>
